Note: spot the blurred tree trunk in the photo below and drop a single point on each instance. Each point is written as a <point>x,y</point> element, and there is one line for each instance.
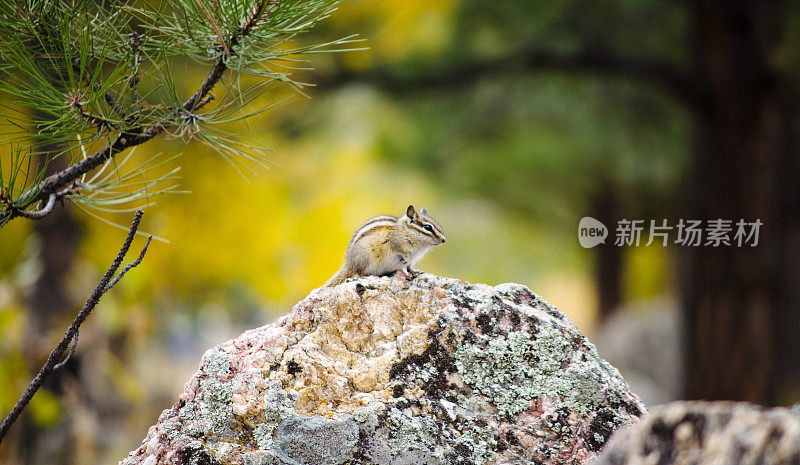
<point>742,302</point>
<point>608,266</point>
<point>58,236</point>
<point>788,321</point>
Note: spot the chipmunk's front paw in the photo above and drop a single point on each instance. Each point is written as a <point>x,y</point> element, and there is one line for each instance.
<point>402,273</point>
<point>412,272</point>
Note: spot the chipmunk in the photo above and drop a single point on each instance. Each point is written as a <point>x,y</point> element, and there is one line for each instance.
<point>386,244</point>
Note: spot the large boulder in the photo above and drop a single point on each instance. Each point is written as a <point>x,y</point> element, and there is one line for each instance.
<point>387,371</point>
<point>708,433</point>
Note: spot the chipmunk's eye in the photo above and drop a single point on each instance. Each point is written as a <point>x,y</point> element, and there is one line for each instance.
<point>428,227</point>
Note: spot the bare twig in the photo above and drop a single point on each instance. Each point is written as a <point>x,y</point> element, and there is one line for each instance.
<point>72,332</point>
<point>71,351</point>
<point>130,265</point>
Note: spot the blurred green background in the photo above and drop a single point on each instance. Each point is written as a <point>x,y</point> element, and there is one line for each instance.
<point>507,156</point>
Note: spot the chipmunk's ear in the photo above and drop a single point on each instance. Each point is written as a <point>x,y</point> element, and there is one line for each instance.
<point>410,212</point>
<point>424,211</point>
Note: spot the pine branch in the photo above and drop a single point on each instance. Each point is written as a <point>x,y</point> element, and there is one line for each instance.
<point>56,182</point>
<point>71,335</point>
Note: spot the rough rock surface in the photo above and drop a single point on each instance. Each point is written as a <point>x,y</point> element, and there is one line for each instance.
<point>386,371</point>
<point>703,433</point>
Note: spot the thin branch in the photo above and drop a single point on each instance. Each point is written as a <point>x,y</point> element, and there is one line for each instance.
<point>72,331</point>
<point>253,20</point>
<point>134,264</point>
<point>211,80</point>
<point>69,355</point>
<point>39,214</point>
<point>98,121</point>
<point>134,78</point>
<point>204,102</point>
<point>112,101</point>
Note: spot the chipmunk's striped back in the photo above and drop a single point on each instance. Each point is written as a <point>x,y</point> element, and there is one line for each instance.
<point>376,222</point>
<point>386,244</point>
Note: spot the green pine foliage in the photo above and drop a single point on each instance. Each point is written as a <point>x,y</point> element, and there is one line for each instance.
<point>88,81</point>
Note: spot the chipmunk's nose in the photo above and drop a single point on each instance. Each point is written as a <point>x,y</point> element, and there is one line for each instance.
<point>444,240</point>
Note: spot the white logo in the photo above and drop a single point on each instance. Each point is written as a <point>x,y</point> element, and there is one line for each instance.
<point>591,232</point>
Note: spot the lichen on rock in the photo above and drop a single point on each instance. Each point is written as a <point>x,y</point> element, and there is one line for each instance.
<point>386,371</point>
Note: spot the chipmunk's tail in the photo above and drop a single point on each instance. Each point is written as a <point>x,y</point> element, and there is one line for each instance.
<point>339,277</point>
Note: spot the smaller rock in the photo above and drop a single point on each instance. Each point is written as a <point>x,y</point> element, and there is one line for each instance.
<point>703,433</point>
